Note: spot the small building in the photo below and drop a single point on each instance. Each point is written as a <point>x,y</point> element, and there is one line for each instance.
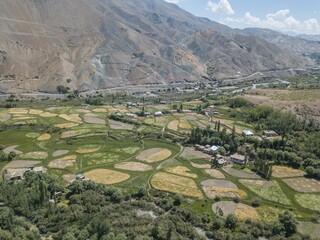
<point>219,161</point>
<point>247,133</point>
<point>147,114</point>
<point>269,133</point>
<point>158,114</point>
<point>80,176</point>
<point>238,158</point>
<point>215,148</point>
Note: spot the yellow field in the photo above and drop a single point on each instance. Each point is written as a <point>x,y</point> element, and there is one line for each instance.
<point>47,114</point>
<point>215,173</point>
<point>133,166</point>
<point>201,166</point>
<point>246,212</point>
<point>282,172</point>
<point>66,125</point>
<point>106,176</point>
<point>154,155</point>
<point>173,125</point>
<point>181,170</point>
<point>88,149</point>
<point>64,162</point>
<point>176,184</point>
<point>44,137</point>
<point>18,111</point>
<point>35,111</point>
<point>71,118</point>
<point>184,124</point>
<point>212,192</point>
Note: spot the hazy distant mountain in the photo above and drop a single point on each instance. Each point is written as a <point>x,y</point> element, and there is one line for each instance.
<point>295,44</point>
<point>94,44</point>
<point>309,37</point>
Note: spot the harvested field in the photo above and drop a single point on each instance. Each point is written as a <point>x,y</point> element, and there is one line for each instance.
<point>310,201</point>
<point>48,114</point>
<point>71,118</point>
<point>215,173</point>
<point>189,153</point>
<point>221,188</point>
<point>94,120</point>
<point>269,214</point>
<point>100,110</point>
<point>269,190</point>
<point>176,184</point>
<point>66,125</point>
<point>32,135</point>
<point>10,149</point>
<point>21,164</point>
<point>59,153</point>
<point>189,117</point>
<point>184,124</point>
<point>4,116</point>
<point>154,155</point>
<point>22,117</point>
<point>133,166</point>
<point>69,177</point>
<point>18,111</point>
<point>173,125</point>
<point>101,158</point>
<point>74,133</point>
<point>200,124</point>
<point>35,111</point>
<point>120,125</point>
<point>305,185</point>
<point>34,155</point>
<point>44,137</point>
<point>201,166</point>
<point>82,110</point>
<point>128,150</point>
<point>64,162</point>
<point>237,173</point>
<point>283,172</point>
<point>182,171</point>
<point>311,229</point>
<point>88,149</point>
<point>242,211</point>
<point>106,176</point>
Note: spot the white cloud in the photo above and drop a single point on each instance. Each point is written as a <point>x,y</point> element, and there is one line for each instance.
<point>223,6</point>
<point>174,1</point>
<point>281,20</point>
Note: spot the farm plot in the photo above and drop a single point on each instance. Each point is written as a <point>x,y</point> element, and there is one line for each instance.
<point>153,155</point>
<point>303,184</point>
<point>173,125</point>
<point>74,133</point>
<point>21,164</point>
<point>310,201</point>
<point>69,178</point>
<point>183,124</point>
<point>106,176</point>
<point>18,111</point>
<point>189,153</point>
<point>269,190</point>
<point>34,155</point>
<point>240,174</point>
<point>100,158</point>
<point>59,153</point>
<point>48,115</point>
<point>4,116</point>
<point>10,149</point>
<point>44,137</point>
<point>215,173</point>
<point>71,118</point>
<point>189,117</point>
<point>82,110</point>
<point>221,188</point>
<point>284,172</point>
<point>311,229</point>
<point>200,166</point>
<point>88,149</point>
<point>66,125</point>
<point>182,171</point>
<point>176,184</point>
<point>94,120</point>
<point>120,125</point>
<point>127,150</point>
<point>133,166</point>
<point>32,135</point>
<point>64,162</point>
<point>242,211</point>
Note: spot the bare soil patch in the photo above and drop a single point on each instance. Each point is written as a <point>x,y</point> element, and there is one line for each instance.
<point>133,166</point>
<point>18,110</point>
<point>237,173</point>
<point>190,153</point>
<point>173,125</point>
<point>221,188</point>
<point>305,185</point>
<point>242,211</point>
<point>48,114</point>
<point>215,173</point>
<point>154,155</point>
<point>283,172</point>
<point>94,120</point>
<point>189,117</point>
<point>106,176</point>
<point>59,153</point>
<point>69,177</point>
<point>177,184</point>
<point>44,137</point>
<point>35,111</point>
<point>182,171</point>
<point>21,164</point>
<point>64,162</point>
<point>9,149</point>
<point>120,125</point>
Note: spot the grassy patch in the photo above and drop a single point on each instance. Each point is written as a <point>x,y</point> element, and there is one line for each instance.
<point>310,201</point>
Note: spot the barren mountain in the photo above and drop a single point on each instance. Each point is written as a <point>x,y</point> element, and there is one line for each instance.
<point>97,44</point>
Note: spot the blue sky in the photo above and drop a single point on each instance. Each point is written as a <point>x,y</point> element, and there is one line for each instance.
<point>299,16</point>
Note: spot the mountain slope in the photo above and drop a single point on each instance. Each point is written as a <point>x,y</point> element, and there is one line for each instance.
<point>97,44</point>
